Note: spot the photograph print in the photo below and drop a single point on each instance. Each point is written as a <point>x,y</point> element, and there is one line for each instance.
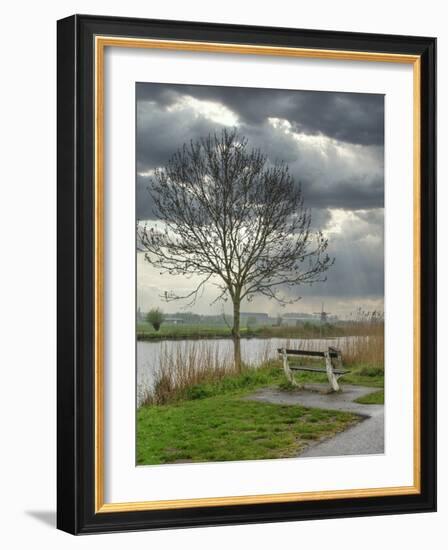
<point>259,272</point>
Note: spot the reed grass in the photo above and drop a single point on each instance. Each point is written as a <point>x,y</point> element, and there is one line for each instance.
<point>184,367</point>
<point>368,347</point>
<point>364,346</point>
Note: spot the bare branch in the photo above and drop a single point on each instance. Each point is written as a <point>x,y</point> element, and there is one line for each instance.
<point>192,296</point>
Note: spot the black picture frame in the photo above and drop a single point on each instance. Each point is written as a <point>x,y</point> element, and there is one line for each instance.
<point>76,512</point>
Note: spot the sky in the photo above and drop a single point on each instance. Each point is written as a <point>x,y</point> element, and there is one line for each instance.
<point>333,143</point>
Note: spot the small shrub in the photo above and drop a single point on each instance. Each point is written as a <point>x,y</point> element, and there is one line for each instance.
<point>155,318</point>
<point>371,371</point>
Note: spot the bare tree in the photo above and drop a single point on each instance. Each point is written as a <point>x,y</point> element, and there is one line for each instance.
<point>234,219</point>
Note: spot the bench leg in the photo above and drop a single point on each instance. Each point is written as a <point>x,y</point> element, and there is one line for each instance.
<point>288,372</point>
<point>332,378</point>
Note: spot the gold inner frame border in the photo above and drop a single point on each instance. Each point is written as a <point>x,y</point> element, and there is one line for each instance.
<point>101,42</point>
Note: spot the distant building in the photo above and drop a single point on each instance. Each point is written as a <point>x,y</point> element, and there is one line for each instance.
<point>298,315</point>
<point>291,320</point>
<point>257,317</point>
<point>257,314</point>
<point>173,320</point>
<point>294,319</point>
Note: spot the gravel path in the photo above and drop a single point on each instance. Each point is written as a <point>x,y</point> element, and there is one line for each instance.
<point>366,437</point>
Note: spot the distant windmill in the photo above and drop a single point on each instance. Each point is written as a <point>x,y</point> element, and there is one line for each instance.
<point>323,317</point>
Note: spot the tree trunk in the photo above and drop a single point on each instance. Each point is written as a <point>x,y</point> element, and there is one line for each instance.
<point>236,336</point>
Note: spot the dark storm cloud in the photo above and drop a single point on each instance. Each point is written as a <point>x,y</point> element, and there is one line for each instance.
<point>161,133</point>
<point>143,199</point>
<point>347,193</point>
<point>332,142</point>
<point>354,118</point>
<point>328,176</point>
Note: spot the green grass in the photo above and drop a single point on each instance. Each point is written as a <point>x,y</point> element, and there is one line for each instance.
<point>250,379</point>
<point>375,398</point>
<point>146,332</point>
<point>193,331</point>
<point>225,427</point>
<point>211,421</point>
<point>247,381</point>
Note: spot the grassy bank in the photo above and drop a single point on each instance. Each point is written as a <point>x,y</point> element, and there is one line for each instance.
<point>211,420</point>
<point>192,331</point>
<point>202,383</point>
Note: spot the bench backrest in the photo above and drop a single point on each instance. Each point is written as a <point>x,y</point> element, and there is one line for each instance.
<point>310,353</point>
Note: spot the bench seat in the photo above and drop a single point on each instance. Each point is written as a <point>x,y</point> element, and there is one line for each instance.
<point>318,369</point>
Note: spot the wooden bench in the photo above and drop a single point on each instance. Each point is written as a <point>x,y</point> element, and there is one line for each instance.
<point>333,372</point>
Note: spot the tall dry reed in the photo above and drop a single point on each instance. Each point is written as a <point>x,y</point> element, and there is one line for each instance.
<point>365,345</point>
<point>193,363</point>
<point>368,347</point>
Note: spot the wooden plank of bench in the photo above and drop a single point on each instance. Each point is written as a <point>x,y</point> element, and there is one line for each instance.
<point>307,353</point>
<point>317,369</point>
